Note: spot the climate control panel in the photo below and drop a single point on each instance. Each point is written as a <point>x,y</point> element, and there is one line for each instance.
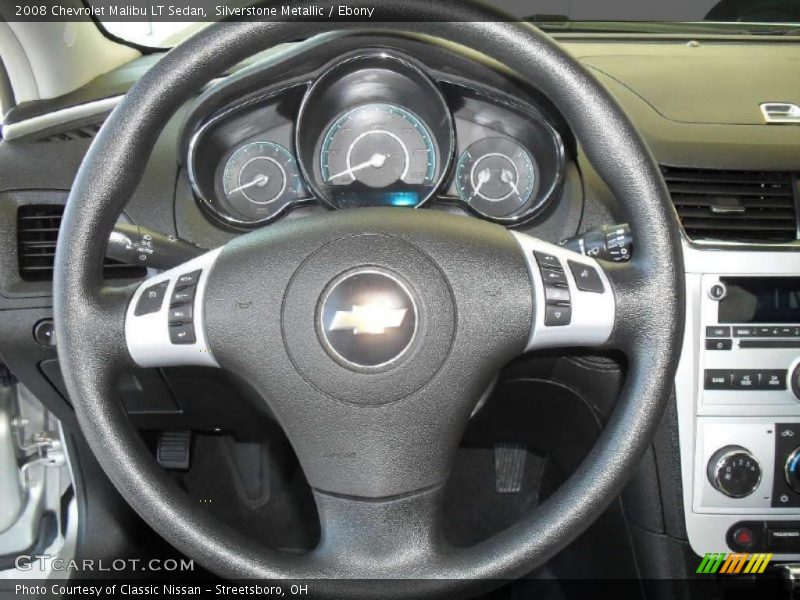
<point>746,469</point>
<point>747,463</point>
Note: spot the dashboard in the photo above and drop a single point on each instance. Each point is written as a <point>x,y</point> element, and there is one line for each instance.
<point>375,128</point>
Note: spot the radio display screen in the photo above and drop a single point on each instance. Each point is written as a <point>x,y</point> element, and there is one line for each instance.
<point>760,300</point>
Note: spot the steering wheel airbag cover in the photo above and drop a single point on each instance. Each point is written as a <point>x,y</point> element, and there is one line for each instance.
<point>435,313</point>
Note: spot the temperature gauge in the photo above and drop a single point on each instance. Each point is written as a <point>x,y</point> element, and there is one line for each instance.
<point>497,177</point>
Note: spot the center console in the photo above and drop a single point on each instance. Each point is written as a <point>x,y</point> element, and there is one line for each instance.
<point>738,395</point>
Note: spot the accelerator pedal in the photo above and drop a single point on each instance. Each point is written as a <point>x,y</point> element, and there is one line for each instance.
<point>509,467</point>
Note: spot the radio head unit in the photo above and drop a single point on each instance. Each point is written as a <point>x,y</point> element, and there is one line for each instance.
<point>751,353</point>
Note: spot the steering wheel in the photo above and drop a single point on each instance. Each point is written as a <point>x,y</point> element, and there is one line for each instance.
<point>375,425</point>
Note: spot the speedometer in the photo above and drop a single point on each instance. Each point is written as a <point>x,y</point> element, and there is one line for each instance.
<point>378,154</point>
<point>378,145</point>
<point>374,130</point>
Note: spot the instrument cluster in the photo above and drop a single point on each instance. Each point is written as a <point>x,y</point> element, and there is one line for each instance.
<point>376,129</point>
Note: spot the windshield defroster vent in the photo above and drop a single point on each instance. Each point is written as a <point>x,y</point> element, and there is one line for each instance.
<point>83,132</point>
<point>735,206</point>
<point>37,233</point>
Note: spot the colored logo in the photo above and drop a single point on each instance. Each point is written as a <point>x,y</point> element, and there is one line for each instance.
<point>734,564</point>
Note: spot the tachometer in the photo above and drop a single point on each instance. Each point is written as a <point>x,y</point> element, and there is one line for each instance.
<point>497,177</point>
<point>378,154</point>
<point>260,179</point>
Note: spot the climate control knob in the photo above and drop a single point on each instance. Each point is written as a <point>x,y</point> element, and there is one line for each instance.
<point>734,471</point>
<point>791,470</point>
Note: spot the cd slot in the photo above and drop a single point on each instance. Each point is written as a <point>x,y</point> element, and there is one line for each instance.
<point>769,344</point>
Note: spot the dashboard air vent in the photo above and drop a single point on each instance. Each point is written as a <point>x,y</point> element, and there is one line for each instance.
<point>37,232</point>
<point>83,132</point>
<point>734,206</point>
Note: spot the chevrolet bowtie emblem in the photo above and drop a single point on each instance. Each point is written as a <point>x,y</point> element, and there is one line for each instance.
<point>370,319</point>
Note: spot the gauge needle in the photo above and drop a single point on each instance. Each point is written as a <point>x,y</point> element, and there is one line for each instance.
<point>260,180</point>
<point>507,176</point>
<point>483,177</point>
<point>376,161</point>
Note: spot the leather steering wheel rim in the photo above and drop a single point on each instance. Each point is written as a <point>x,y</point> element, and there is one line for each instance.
<point>648,326</point>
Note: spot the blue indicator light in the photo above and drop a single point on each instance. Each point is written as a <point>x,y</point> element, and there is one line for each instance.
<point>403,198</point>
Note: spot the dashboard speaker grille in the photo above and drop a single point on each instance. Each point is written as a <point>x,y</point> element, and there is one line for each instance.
<point>37,232</point>
<point>735,206</point>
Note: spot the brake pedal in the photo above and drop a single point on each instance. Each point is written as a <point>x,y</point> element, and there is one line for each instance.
<point>509,467</point>
<point>174,449</point>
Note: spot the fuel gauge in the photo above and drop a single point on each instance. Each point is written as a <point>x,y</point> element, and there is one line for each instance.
<point>496,176</point>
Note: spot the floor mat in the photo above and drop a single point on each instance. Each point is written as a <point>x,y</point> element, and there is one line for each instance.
<point>259,492</point>
<point>474,509</point>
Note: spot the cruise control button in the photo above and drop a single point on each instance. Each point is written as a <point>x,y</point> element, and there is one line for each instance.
<point>556,295</point>
<point>183,296</point>
<point>182,334</point>
<point>555,316</point>
<point>719,344</point>
<point>547,260</point>
<point>151,299</point>
<point>553,277</point>
<point>773,380</point>
<point>745,380</point>
<point>717,379</point>
<point>180,314</point>
<point>187,280</point>
<point>586,277</point>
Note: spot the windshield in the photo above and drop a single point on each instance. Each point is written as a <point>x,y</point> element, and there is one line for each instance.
<point>151,33</point>
<point>690,17</point>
